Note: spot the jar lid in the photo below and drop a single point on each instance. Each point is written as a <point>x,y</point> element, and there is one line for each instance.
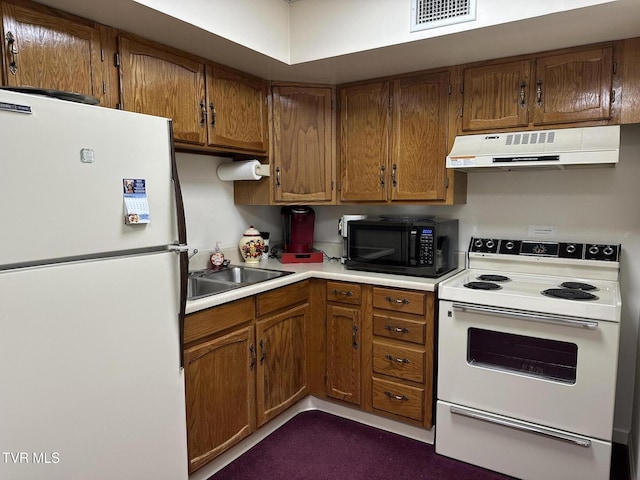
<point>251,232</point>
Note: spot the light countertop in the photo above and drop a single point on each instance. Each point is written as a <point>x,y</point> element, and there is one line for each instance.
<point>328,270</point>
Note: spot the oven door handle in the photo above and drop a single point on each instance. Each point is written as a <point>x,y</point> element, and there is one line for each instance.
<point>536,317</point>
<point>522,426</point>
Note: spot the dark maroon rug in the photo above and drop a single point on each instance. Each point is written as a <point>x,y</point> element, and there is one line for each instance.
<point>319,446</point>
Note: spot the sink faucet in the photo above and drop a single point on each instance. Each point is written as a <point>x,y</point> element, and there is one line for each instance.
<point>195,250</point>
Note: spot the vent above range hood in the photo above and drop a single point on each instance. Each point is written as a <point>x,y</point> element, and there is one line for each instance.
<point>539,149</point>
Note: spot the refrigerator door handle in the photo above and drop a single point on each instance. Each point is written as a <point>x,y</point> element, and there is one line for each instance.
<point>184,277</point>
<point>182,226</point>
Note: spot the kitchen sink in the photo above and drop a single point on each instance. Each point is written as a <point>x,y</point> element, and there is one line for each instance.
<point>244,274</point>
<point>203,283</point>
<point>202,287</point>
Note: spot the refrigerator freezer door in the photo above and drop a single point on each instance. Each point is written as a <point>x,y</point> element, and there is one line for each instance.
<point>61,179</point>
<point>89,362</point>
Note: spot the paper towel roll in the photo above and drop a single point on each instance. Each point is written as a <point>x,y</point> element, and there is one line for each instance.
<point>229,172</point>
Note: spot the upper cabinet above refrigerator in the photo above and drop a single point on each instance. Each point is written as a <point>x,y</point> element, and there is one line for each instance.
<point>213,108</point>
<point>49,49</point>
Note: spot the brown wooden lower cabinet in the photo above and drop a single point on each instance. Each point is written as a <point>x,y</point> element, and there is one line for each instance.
<point>282,365</point>
<point>241,370</point>
<point>344,353</point>
<point>402,354</point>
<point>220,387</point>
<point>247,361</point>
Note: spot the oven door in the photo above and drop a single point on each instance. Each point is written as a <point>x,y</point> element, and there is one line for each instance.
<point>549,370</point>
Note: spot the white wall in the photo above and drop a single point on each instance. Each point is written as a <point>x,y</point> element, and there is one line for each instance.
<point>328,28</point>
<point>211,215</point>
<point>261,25</point>
<point>584,204</point>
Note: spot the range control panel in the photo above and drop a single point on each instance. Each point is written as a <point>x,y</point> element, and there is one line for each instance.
<point>581,251</point>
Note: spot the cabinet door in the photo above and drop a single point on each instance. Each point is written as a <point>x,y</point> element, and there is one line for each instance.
<point>237,106</point>
<point>574,87</point>
<point>302,160</point>
<point>419,142</point>
<point>282,370</point>
<point>160,81</point>
<point>495,96</point>
<point>344,353</point>
<point>364,142</point>
<point>220,395</point>
<point>48,49</point>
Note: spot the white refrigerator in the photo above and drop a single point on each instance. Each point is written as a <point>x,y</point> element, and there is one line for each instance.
<point>93,266</point>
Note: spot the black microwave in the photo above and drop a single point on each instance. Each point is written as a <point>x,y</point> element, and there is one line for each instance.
<point>423,247</point>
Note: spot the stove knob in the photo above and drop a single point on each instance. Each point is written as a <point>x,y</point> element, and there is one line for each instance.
<point>490,243</point>
<point>478,243</point>
<point>593,250</point>
<point>509,245</point>
<point>608,250</point>
<point>571,248</point>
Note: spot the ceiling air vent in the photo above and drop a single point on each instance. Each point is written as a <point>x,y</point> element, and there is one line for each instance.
<point>438,13</point>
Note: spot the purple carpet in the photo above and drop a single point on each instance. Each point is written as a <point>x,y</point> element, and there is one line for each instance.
<point>319,446</point>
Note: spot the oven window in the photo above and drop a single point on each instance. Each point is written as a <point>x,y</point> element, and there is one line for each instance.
<point>537,357</point>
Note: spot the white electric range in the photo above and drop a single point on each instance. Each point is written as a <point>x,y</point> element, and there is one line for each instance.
<point>527,358</point>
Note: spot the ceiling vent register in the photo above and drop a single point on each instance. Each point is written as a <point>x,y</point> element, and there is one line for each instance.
<point>438,13</point>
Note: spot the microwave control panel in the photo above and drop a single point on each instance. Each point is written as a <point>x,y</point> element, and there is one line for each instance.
<point>424,237</point>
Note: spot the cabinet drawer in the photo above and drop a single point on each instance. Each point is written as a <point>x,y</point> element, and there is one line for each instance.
<point>399,328</point>
<point>282,298</point>
<point>342,292</point>
<point>399,300</point>
<point>213,320</point>
<point>398,399</point>
<point>400,362</point>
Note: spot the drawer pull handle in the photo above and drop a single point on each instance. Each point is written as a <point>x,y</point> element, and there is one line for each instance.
<point>346,293</point>
<point>399,301</point>
<point>391,358</point>
<point>396,397</point>
<point>396,329</point>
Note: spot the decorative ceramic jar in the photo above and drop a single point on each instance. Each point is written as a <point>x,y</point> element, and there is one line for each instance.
<point>251,245</point>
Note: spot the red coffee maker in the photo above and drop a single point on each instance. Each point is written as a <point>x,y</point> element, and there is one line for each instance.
<point>297,235</point>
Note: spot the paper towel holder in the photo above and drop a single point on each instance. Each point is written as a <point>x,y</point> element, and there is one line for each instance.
<point>259,170</point>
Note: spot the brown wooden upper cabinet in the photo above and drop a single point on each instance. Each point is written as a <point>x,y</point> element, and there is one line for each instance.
<point>394,139</point>
<point>574,87</point>
<point>46,48</point>
<point>496,96</point>
<point>157,80</point>
<point>237,106</point>
<point>567,88</point>
<point>211,107</point>
<point>303,160</point>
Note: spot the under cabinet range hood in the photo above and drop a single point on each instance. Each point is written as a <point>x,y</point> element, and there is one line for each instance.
<point>539,149</point>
